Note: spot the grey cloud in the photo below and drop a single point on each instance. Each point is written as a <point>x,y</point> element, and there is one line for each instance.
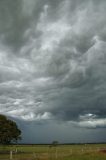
<point>17,17</point>
<point>52,60</point>
<point>14,22</point>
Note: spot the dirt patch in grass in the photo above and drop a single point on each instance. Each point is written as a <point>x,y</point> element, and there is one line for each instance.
<point>102,151</point>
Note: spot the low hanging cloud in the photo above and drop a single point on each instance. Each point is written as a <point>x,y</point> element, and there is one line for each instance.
<point>53,61</point>
<point>89,121</point>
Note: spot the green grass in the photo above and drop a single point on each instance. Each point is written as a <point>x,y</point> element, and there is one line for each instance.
<point>61,152</point>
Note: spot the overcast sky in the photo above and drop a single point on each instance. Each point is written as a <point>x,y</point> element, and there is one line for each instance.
<point>53,68</point>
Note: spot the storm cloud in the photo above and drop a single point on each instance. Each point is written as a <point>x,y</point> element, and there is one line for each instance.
<point>53,63</point>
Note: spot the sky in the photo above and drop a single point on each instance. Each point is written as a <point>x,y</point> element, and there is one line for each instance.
<point>53,69</point>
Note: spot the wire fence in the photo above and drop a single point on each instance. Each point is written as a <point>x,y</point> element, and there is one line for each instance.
<point>51,153</point>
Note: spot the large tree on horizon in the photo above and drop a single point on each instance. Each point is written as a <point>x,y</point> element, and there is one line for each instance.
<point>9,131</point>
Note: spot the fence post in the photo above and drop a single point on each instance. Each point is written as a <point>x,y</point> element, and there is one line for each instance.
<point>82,150</point>
<point>56,153</point>
<point>11,155</point>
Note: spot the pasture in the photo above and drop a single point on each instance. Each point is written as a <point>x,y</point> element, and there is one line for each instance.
<point>47,152</point>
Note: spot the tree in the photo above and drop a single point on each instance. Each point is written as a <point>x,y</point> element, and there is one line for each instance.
<point>55,143</point>
<point>9,131</point>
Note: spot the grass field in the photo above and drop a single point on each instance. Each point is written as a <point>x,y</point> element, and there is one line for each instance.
<point>60,152</point>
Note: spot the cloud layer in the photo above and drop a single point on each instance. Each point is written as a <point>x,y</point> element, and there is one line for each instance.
<point>53,61</point>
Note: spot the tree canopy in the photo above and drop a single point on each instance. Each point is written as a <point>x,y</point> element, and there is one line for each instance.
<point>55,143</point>
<point>9,131</point>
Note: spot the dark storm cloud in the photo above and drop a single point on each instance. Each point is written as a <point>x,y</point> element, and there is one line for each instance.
<point>53,61</point>
<point>18,16</point>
